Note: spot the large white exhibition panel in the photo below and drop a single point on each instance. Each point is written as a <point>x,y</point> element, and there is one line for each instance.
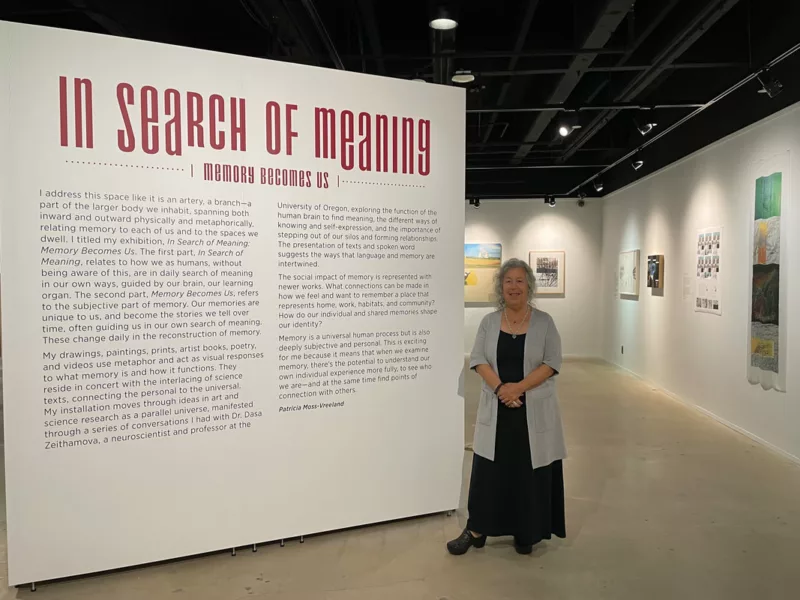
<point>232,300</point>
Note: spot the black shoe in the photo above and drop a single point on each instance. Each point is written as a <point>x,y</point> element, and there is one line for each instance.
<point>464,542</point>
<point>523,548</point>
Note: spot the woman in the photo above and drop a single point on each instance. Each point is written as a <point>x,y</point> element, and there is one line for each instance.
<point>517,485</point>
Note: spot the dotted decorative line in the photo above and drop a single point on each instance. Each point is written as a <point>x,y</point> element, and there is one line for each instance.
<point>404,185</point>
<point>100,164</point>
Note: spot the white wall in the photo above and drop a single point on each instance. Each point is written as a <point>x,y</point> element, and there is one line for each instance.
<point>524,225</point>
<point>699,357</point>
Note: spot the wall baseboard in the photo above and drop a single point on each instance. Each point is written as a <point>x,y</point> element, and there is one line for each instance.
<point>671,395</point>
<point>740,430</point>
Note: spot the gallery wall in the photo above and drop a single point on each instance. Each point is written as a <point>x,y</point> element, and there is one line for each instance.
<point>699,357</point>
<point>525,225</point>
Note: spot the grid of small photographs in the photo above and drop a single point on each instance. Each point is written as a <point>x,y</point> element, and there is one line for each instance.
<point>709,253</point>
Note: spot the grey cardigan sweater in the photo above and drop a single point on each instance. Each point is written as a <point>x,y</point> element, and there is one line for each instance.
<point>542,346</point>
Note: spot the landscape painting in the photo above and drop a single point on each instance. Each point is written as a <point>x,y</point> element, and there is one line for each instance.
<point>629,274</point>
<point>481,263</point>
<point>548,270</point>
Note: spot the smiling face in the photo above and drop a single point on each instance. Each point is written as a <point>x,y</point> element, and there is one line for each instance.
<point>515,288</point>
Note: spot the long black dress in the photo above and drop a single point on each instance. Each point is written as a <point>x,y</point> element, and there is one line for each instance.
<point>508,496</point>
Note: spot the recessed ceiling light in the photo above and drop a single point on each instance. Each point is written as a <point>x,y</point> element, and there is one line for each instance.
<point>463,76</point>
<point>443,24</point>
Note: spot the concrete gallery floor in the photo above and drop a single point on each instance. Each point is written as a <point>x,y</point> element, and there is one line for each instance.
<point>662,503</point>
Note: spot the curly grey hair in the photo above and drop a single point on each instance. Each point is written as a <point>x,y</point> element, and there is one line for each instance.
<point>513,263</point>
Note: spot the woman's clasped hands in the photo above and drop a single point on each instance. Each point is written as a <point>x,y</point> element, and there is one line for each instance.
<point>511,394</point>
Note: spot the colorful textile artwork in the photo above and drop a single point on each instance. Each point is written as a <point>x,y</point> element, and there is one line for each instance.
<point>765,319</point>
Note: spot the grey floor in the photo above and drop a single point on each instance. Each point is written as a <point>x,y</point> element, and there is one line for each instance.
<point>662,503</point>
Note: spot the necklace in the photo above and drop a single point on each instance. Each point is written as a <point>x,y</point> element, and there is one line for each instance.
<point>511,331</point>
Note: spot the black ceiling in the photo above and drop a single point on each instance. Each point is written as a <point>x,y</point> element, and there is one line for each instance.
<point>606,64</point>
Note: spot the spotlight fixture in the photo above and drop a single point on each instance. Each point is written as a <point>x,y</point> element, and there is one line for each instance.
<point>644,122</point>
<point>568,124</point>
<point>637,164</point>
<point>550,201</point>
<point>463,76</point>
<point>645,128</point>
<point>598,186</point>
<point>581,199</point>
<point>769,85</point>
<point>443,19</point>
<point>475,202</point>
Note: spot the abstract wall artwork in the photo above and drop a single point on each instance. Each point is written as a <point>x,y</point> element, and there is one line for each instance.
<point>481,262</point>
<point>655,271</point>
<point>629,274</point>
<point>708,297</point>
<point>548,269</point>
<point>765,365</point>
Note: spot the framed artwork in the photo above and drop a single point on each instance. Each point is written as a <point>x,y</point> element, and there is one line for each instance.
<point>655,271</point>
<point>481,263</point>
<point>548,270</point>
<point>767,329</point>
<point>629,273</point>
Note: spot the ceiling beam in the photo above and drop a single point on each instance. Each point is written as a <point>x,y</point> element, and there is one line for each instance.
<point>491,54</point>
<point>666,9</point>
<point>708,16</point>
<point>613,69</point>
<point>323,34</point>
<point>367,8</point>
<point>281,20</point>
<point>533,167</point>
<point>606,24</point>
<point>522,35</point>
<point>106,22</point>
<point>555,108</point>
